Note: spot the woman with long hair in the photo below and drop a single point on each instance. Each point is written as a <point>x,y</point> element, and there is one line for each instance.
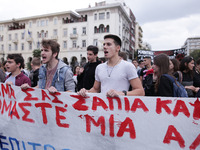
<point>163,85</point>
<point>186,68</point>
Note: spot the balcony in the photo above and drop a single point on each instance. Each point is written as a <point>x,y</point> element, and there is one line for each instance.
<point>29,39</point>
<point>54,37</point>
<point>73,36</point>
<point>15,40</point>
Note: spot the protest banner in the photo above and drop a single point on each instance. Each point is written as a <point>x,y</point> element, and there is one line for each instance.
<point>179,54</point>
<point>35,119</point>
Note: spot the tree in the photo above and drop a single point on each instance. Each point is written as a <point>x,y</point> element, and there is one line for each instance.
<point>195,54</point>
<point>37,53</point>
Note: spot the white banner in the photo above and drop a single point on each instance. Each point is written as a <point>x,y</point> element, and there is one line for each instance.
<point>34,119</point>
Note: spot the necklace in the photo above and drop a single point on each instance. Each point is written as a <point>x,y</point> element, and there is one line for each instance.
<point>109,74</point>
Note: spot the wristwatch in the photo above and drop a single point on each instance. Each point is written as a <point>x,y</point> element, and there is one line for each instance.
<point>125,92</point>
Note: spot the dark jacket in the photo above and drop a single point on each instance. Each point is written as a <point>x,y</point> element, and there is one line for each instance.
<point>87,78</point>
<point>165,88</point>
<point>34,77</point>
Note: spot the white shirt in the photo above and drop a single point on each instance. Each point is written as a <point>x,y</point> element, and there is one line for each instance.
<point>116,77</point>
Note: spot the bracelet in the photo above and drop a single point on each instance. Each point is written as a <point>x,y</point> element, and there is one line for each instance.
<point>125,92</point>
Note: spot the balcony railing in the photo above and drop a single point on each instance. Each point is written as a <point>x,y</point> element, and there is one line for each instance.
<point>73,36</point>
<point>15,40</point>
<point>29,39</point>
<point>54,37</point>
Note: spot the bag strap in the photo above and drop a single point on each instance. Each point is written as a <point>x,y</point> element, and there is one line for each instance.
<point>170,77</point>
<point>180,76</point>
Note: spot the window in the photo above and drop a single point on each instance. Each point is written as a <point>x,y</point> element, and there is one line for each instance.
<point>64,32</point>
<point>1,28</point>
<point>84,30</point>
<point>42,34</point>
<point>42,23</point>
<point>55,21</point>
<point>101,28</point>
<point>1,37</point>
<point>22,46</point>
<point>2,47</point>
<point>46,34</point>
<point>107,28</point>
<point>30,45</point>
<point>38,45</point>
<point>55,32</point>
<point>74,44</point>
<point>38,23</point>
<point>95,42</point>
<point>95,16</point>
<point>30,34</point>
<point>74,31</point>
<point>95,30</point>
<point>47,22</point>
<point>16,47</point>
<point>119,30</point>
<point>16,36</point>
<point>9,47</point>
<point>9,37</point>
<point>107,15</point>
<point>30,24</point>
<point>101,16</point>
<point>83,43</point>
<point>22,35</point>
<point>65,44</point>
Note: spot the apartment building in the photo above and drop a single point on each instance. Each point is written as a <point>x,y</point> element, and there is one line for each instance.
<point>138,37</point>
<point>192,44</point>
<point>74,31</point>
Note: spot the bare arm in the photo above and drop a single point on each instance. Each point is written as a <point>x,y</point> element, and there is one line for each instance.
<point>95,89</point>
<point>138,90</point>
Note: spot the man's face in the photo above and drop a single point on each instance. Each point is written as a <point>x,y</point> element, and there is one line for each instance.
<point>147,61</point>
<point>47,55</point>
<point>91,56</point>
<point>135,63</point>
<point>110,49</point>
<point>11,65</point>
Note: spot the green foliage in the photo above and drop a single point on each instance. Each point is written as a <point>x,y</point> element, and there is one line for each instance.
<point>195,54</point>
<point>28,64</point>
<point>37,53</point>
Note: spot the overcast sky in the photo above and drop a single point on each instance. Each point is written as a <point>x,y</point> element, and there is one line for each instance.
<point>166,24</point>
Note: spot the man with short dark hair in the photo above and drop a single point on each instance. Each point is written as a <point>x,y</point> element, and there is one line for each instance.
<point>13,65</point>
<point>148,66</point>
<point>35,65</point>
<point>115,76</point>
<point>86,75</point>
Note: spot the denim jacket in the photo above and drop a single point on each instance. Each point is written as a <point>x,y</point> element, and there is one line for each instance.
<point>62,80</point>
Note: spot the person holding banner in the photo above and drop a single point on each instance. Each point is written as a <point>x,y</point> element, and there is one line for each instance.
<point>54,74</point>
<point>13,65</point>
<point>115,76</point>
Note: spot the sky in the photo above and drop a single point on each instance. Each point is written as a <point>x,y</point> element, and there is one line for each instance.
<point>166,24</point>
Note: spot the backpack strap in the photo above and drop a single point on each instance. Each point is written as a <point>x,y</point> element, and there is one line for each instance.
<point>170,77</point>
<point>180,76</point>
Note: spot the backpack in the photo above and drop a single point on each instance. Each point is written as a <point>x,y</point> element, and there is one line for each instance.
<point>178,89</point>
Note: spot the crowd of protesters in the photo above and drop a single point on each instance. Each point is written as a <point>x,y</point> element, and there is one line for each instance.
<point>113,75</point>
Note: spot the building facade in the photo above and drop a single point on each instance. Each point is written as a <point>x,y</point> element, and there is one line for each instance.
<point>138,37</point>
<point>192,44</point>
<point>74,31</point>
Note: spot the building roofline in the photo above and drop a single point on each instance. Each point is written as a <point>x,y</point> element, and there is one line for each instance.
<point>111,5</point>
<point>41,16</point>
